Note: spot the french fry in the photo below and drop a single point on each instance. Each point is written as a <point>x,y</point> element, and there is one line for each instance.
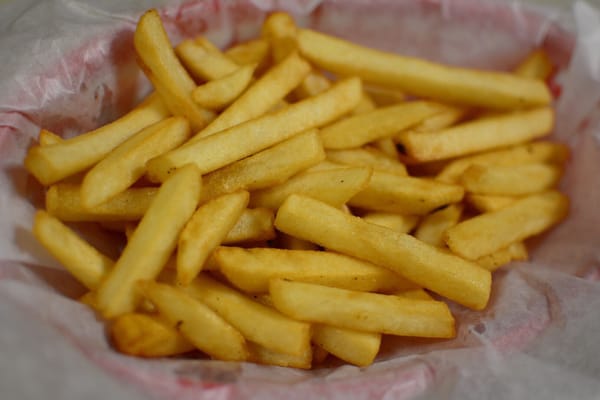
<point>489,232</point>
<point>405,194</point>
<point>205,231</point>
<point>266,168</point>
<point>63,201</point>
<point>161,66</point>
<point>220,93</point>
<point>127,162</point>
<point>358,348</point>
<point>484,203</point>
<point>513,252</point>
<point>365,312</point>
<point>365,105</point>
<point>147,336</point>
<point>418,294</point>
<point>384,96</point>
<point>81,259</point>
<point>334,186</point>
<point>367,157</point>
<point>262,355</point>
<point>254,225</point>
<point>152,243</point>
<point>202,63</point>
<point>204,328</point>
<point>396,222</point>
<point>542,151</point>
<point>257,323</point>
<point>47,138</point>
<point>441,272</point>
<point>516,180</point>
<point>51,163</point>
<point>447,117</point>
<point>380,123</point>
<point>388,147</point>
<point>279,29</point>
<point>479,135</point>
<point>422,78</point>
<point>251,269</point>
<point>255,135</point>
<point>432,227</point>
<point>293,243</point>
<point>252,52</point>
<point>537,65</point>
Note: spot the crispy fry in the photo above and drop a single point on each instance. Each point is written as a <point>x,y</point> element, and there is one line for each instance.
<point>397,222</point>
<point>204,64</point>
<point>252,52</point>
<point>367,157</point>
<point>358,348</point>
<point>254,225</point>
<point>513,252</point>
<point>262,355</point>
<point>484,203</point>
<point>220,93</point>
<point>432,227</point>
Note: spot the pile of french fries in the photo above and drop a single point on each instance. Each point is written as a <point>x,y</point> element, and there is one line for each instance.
<point>299,195</point>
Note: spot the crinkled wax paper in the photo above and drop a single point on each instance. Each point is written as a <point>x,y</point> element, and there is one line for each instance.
<point>68,65</point>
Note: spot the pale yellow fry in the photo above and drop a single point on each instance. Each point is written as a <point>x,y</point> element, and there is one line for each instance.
<point>63,200</point>
<point>144,335</point>
<point>354,347</point>
<point>313,84</point>
<point>516,251</point>
<point>51,163</point>
<point>396,222</point>
<point>82,260</point>
<point>254,225</point>
<point>256,322</point>
<point>261,96</point>
<point>428,266</point>
<point>202,63</point>
<point>383,122</point>
<point>367,312</point>
<point>161,66</point>
<point>248,53</point>
<point>334,186</point>
<point>251,269</point>
<point>266,168</point>
<point>220,93</point>
<point>127,162</point>
<point>262,355</point>
<point>152,243</point>
<point>235,143</point>
<point>420,77</point>
<point>528,153</point>
<point>489,232</point>
<point>279,29</point>
<point>47,138</point>
<point>418,294</point>
<point>205,231</point>
<point>384,95</point>
<point>365,105</point>
<point>405,194</point>
<point>387,146</point>
<point>514,180</point>
<point>479,135</point>
<point>443,119</point>
<point>204,328</point>
<point>484,203</point>
<point>432,227</point>
<point>537,65</point>
<point>367,157</point>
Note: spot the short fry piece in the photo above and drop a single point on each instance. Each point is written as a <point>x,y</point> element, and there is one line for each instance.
<point>537,65</point>
<point>252,52</point>
<point>367,157</point>
<point>432,227</point>
<point>206,330</point>
<point>205,231</point>
<point>47,138</point>
<point>484,203</point>
<point>513,252</point>
<point>219,93</point>
<point>426,265</point>
<point>367,312</point>
<point>254,225</point>
<point>204,64</point>
<point>152,243</point>
<point>358,348</point>
<point>81,259</point>
<point>262,355</point>
<point>489,232</point>
<point>396,222</point>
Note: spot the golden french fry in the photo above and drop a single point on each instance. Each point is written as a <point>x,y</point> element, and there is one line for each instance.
<point>204,63</point>
<point>251,269</point>
<point>405,194</point>
<point>262,355</point>
<point>280,30</point>
<point>254,225</point>
<point>161,66</point>
<point>422,78</point>
<point>204,328</point>
<point>489,232</point>
<point>81,259</point>
<point>51,163</point>
<point>366,312</point>
<point>47,138</point>
<point>367,157</point>
<point>432,227</point>
<point>152,243</point>
<point>127,162</point>
<point>63,201</point>
<point>537,65</point>
<point>358,348</point>
<point>257,323</point>
<point>220,93</point>
<point>479,135</point>
<point>515,180</point>
<point>363,128</point>
<point>388,147</point>
<point>418,294</point>
<point>255,135</point>
<point>365,105</point>
<point>447,117</point>
<point>384,95</point>
<point>484,203</point>
<point>205,231</point>
<point>333,186</point>
<point>396,222</point>
<point>513,252</point>
<point>252,52</point>
<point>543,151</point>
<point>266,168</point>
<point>147,336</point>
<point>293,243</point>
<point>430,267</point>
<point>313,84</point>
